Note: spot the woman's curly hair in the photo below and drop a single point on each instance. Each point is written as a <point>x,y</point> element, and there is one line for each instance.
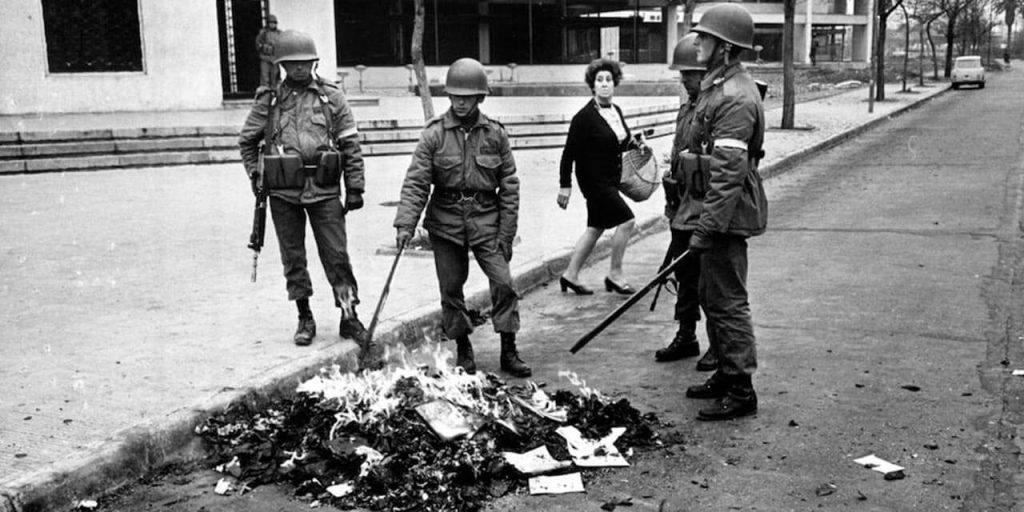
<point>603,64</point>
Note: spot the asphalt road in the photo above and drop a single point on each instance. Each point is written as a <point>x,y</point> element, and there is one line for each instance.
<point>888,305</point>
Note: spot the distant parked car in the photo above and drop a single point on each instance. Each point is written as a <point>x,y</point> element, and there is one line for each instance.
<point>968,70</point>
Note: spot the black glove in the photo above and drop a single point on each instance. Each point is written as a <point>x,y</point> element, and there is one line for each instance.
<point>505,249</point>
<point>699,242</point>
<point>353,201</point>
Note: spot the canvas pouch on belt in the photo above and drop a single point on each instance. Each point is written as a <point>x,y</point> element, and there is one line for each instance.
<point>283,171</point>
<point>695,173</point>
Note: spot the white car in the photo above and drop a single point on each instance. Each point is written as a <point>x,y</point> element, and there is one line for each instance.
<point>968,70</point>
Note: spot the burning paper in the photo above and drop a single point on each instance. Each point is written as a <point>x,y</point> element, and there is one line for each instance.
<point>561,484</point>
<point>601,453</point>
<point>447,420</point>
<point>541,405</point>
<point>882,466</point>
<point>535,462</point>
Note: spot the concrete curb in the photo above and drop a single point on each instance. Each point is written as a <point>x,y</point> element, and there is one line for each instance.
<point>139,450</point>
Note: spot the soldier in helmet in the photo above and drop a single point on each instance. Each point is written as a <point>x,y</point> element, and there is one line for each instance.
<point>683,201</point>
<point>727,132</point>
<point>266,42</point>
<point>308,138</point>
<point>463,173</point>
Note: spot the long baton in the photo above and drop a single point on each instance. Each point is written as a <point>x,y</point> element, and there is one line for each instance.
<point>633,299</point>
<point>383,295</point>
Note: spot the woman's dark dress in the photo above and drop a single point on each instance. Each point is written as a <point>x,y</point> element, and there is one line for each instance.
<point>597,153</point>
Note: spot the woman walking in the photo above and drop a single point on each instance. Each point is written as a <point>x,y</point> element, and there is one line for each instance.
<point>598,136</point>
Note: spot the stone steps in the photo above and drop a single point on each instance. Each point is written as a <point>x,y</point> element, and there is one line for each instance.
<point>94,149</point>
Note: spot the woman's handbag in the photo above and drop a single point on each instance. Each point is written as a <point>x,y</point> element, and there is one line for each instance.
<point>640,173</point>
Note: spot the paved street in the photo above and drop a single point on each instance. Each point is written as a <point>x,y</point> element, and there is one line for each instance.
<point>137,311</point>
<point>888,320</point>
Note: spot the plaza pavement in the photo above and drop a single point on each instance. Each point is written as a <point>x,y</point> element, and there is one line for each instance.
<point>128,313</point>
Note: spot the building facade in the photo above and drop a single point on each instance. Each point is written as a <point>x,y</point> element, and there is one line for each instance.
<point>142,55</point>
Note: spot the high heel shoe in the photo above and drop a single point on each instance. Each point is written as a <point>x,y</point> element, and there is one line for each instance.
<point>579,289</point>
<point>611,286</point>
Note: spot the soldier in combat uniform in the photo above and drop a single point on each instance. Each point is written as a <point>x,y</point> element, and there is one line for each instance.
<point>728,128</point>
<point>463,173</point>
<point>309,145</point>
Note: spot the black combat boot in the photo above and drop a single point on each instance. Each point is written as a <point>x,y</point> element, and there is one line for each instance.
<point>464,355</point>
<point>683,345</point>
<point>740,400</point>
<point>709,362</point>
<point>306,331</point>
<point>510,362</point>
<point>715,387</point>
<point>353,329</point>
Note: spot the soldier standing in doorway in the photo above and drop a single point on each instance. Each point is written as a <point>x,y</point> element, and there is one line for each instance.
<point>309,143</point>
<point>266,44</point>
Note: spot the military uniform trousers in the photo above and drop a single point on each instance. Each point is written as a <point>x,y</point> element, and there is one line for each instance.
<point>452,263</point>
<point>687,276</point>
<point>270,74</point>
<point>723,288</point>
<point>327,219</point>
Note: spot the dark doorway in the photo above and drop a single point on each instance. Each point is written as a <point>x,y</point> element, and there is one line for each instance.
<point>239,22</point>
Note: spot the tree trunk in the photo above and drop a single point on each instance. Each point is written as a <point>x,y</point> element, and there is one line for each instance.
<point>688,16</point>
<point>788,89</point>
<point>417,62</point>
<point>1011,13</point>
<point>906,45</point>
<point>950,44</point>
<point>883,19</point>
<point>920,55</point>
<point>931,43</point>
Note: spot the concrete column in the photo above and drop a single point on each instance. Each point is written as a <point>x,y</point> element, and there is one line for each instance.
<point>669,18</point>
<point>483,30</point>
<point>808,31</point>
<point>861,43</point>
<point>801,45</point>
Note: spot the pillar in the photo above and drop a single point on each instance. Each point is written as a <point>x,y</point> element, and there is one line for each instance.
<point>483,30</point>
<point>669,18</point>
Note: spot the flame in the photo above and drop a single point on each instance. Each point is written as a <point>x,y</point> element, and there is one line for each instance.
<point>581,384</point>
<point>369,397</point>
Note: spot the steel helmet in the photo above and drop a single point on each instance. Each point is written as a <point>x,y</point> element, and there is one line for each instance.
<point>466,77</point>
<point>730,23</point>
<point>685,56</point>
<point>271,18</point>
<point>293,45</point>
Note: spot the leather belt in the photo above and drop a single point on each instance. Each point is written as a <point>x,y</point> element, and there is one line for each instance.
<point>460,195</point>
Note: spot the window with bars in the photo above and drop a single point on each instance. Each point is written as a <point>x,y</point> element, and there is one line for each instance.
<point>90,36</point>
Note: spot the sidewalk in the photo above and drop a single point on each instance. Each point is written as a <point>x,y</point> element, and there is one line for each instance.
<point>128,310</point>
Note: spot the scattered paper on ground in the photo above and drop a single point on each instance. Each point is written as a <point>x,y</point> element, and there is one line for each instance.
<point>223,487</point>
<point>86,504</point>
<point>535,462</point>
<point>561,484</point>
<point>877,464</point>
<point>593,454</point>
<point>1018,373</point>
<point>340,490</point>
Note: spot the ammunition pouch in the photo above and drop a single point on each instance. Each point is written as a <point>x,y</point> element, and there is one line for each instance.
<point>695,173</point>
<point>328,170</point>
<point>283,171</point>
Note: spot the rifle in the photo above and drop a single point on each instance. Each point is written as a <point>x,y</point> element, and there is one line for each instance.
<point>259,214</point>
<point>259,218</point>
<point>633,299</point>
<point>383,295</point>
<point>664,263</point>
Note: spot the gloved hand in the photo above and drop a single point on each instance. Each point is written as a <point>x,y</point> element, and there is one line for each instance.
<point>254,183</point>
<point>402,237</point>
<point>700,242</point>
<point>505,249</point>
<point>353,201</point>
